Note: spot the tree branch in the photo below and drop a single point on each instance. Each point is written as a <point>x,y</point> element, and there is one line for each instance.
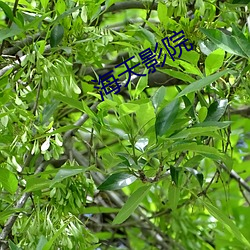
<point>79,123</point>
<point>16,63</point>
<point>236,177</point>
<point>21,44</point>
<point>129,5</point>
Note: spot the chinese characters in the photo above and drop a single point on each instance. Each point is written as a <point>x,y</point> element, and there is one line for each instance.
<point>110,84</point>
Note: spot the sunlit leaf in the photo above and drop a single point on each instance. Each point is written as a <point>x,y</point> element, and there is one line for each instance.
<point>142,84</point>
<point>162,12</point>
<point>214,61</point>
<point>202,114</point>
<point>67,172</point>
<point>223,41</point>
<point>117,181</point>
<point>198,85</point>
<point>166,117</point>
<point>8,180</point>
<point>158,97</point>
<point>128,108</point>
<point>216,110</point>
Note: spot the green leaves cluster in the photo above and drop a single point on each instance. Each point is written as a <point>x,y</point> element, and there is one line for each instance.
<point>148,156</point>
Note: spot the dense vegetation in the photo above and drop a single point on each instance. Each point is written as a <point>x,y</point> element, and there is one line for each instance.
<point>161,161</point>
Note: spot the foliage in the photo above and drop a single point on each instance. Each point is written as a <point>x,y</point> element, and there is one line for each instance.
<point>161,165</point>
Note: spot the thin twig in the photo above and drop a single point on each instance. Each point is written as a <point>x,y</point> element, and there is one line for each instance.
<point>16,63</point>
<point>21,44</point>
<point>79,123</point>
<point>148,14</point>
<point>20,203</point>
<point>235,176</point>
<point>244,195</point>
<point>37,97</point>
<point>9,25</point>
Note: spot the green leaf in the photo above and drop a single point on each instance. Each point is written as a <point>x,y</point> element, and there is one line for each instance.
<point>98,210</point>
<point>202,114</point>
<point>204,150</point>
<point>56,131</point>
<point>223,41</point>
<point>8,180</point>
<point>194,161</point>
<point>41,243</point>
<point>177,74</point>
<point>216,110</point>
<point>241,40</point>
<point>13,246</point>
<point>35,184</point>
<point>191,56</point>
<point>49,244</point>
<point>198,85</point>
<point>70,101</point>
<point>145,34</point>
<point>68,12</point>
<point>214,61</point>
<point>88,110</point>
<point>244,45</point>
<point>174,172</point>
<point>193,132</point>
<point>189,68</point>
<point>9,211</point>
<point>162,12</point>
<point>207,47</point>
<point>49,110</point>
<point>56,35</point>
<point>132,203</point>
<point>44,3</point>
<point>108,3</point>
<point>166,117</point>
<point>227,223</point>
<point>237,32</point>
<point>7,10</point>
<point>198,175</point>
<point>128,108</point>
<point>142,84</point>
<point>13,31</point>
<point>158,97</point>
<point>219,125</point>
<point>117,181</point>
<point>173,196</point>
<point>188,105</point>
<point>36,21</point>
<point>66,172</point>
